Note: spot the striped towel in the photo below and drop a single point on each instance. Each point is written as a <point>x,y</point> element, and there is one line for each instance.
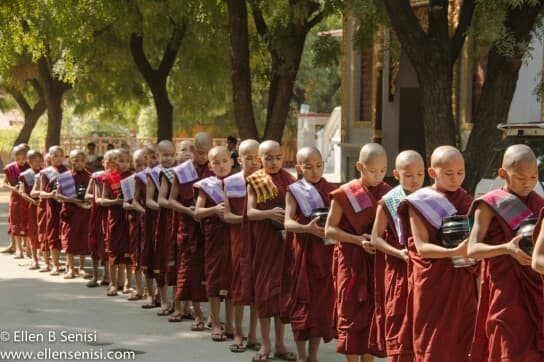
<point>235,185</point>
<point>127,187</point>
<point>432,205</point>
<point>264,187</point>
<point>154,174</point>
<point>67,184</point>
<point>142,175</point>
<point>50,173</point>
<point>392,199</point>
<point>213,187</point>
<point>169,174</point>
<point>186,172</point>
<point>357,196</point>
<point>307,197</point>
<point>508,206</point>
<point>28,177</point>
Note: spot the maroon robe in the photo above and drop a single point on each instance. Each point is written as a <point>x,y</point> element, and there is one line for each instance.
<point>269,252</point>
<point>173,251</point>
<point>353,271</point>
<point>74,221</point>
<point>510,312</point>
<point>32,217</point>
<point>443,304</point>
<point>17,212</point>
<point>312,305</point>
<point>237,207</point>
<point>42,221</point>
<point>97,246</point>
<point>216,252</point>
<point>52,228</point>
<point>397,324</point>
<point>136,231</point>
<point>162,241</point>
<point>117,234</point>
<point>191,276</point>
<point>149,230</point>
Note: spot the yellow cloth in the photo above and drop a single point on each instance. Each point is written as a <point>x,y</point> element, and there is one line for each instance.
<point>264,187</point>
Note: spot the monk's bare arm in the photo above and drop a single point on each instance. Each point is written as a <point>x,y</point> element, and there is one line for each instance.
<point>176,205</point>
<point>378,232</point>
<point>43,194</point>
<point>162,199</point>
<point>201,211</point>
<point>478,248</point>
<point>135,204</point>
<point>292,225</point>
<point>62,198</point>
<point>427,249</point>
<point>89,194</point>
<point>104,199</point>
<point>254,214</point>
<point>231,218</point>
<point>26,196</point>
<point>7,185</point>
<point>150,195</point>
<point>538,252</point>
<point>35,192</point>
<point>333,231</point>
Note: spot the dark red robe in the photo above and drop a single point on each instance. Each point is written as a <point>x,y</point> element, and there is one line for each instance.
<point>117,234</point>
<point>173,252</point>
<point>353,276</point>
<point>237,207</point>
<point>97,246</point>
<point>162,242</point>
<point>17,213</point>
<point>52,228</point>
<point>510,312</point>
<point>269,252</point>
<point>136,230</point>
<point>397,325</point>
<point>216,252</point>
<point>443,304</point>
<point>42,221</point>
<point>191,276</point>
<point>149,231</point>
<point>74,221</point>
<point>313,293</point>
<point>32,217</point>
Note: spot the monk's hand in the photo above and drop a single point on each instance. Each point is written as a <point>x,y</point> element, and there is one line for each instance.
<point>127,206</point>
<point>220,209</point>
<point>277,214</point>
<point>462,249</point>
<point>516,252</point>
<point>369,248</point>
<point>315,229</point>
<point>403,254</point>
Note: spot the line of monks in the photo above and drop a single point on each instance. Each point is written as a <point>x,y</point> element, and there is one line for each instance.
<point>410,273</point>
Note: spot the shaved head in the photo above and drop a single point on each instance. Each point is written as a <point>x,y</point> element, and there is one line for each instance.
<point>371,151</point>
<point>406,158</point>
<point>217,150</point>
<point>203,139</point>
<point>166,146</point>
<point>444,154</point>
<point>139,154</point>
<point>307,152</point>
<point>247,146</point>
<point>268,146</point>
<point>516,155</point>
<point>77,153</point>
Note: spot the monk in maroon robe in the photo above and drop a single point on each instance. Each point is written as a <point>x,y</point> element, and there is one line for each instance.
<point>265,212</point>
<point>312,302</point>
<point>353,208</point>
<point>443,297</point>
<point>96,236</point>
<point>510,312</point>
<point>538,238</point>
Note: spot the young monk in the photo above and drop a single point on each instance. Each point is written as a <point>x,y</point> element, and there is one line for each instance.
<point>442,297</point>
<point>48,187</point>
<point>538,238</point>
<point>157,199</point>
<point>135,214</point>
<point>117,239</point>
<point>40,215</point>
<point>27,181</point>
<point>265,205</point>
<point>313,297</point>
<point>510,312</point>
<point>410,172</point>
<point>191,277</point>
<point>235,200</point>
<point>350,219</point>
<point>17,213</point>
<point>209,209</point>
<point>96,235</point>
<point>74,213</point>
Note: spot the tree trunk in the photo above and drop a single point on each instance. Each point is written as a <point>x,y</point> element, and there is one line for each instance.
<point>31,113</point>
<point>240,70</point>
<point>497,93</point>
<point>164,109</point>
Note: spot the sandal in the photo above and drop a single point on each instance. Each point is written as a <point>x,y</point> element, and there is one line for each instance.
<point>174,318</point>
<point>285,356</point>
<point>188,316</point>
<point>260,357</point>
<point>255,346</point>
<point>197,327</point>
<point>92,284</point>
<point>237,348</point>
<point>163,312</point>
<point>135,296</point>
<point>219,337</point>
<point>69,276</point>
<point>33,267</point>
<point>45,270</point>
<point>229,335</point>
<point>112,292</point>
<point>104,282</point>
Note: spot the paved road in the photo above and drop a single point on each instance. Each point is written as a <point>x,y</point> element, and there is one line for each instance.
<point>51,306</point>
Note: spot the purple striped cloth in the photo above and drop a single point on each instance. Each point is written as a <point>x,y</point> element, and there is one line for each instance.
<point>357,196</point>
<point>235,185</point>
<point>127,187</point>
<point>508,206</point>
<point>50,173</point>
<point>307,196</point>
<point>28,177</point>
<point>432,205</point>
<point>67,184</point>
<point>142,175</point>
<point>154,173</point>
<point>186,172</point>
<point>213,187</point>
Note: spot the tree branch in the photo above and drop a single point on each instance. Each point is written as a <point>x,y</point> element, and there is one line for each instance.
<point>171,51</point>
<point>260,23</point>
<point>21,100</point>
<point>438,21</point>
<point>316,19</point>
<point>465,19</point>
<point>138,54</point>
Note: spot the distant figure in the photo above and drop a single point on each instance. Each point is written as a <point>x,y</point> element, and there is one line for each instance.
<point>92,162</point>
<point>110,146</point>
<point>231,145</point>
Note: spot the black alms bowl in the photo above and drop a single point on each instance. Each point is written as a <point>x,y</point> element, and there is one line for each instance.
<point>455,229</point>
<point>322,213</point>
<point>81,191</point>
<point>526,229</point>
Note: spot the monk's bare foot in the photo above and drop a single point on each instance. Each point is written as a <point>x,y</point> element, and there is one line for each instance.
<point>112,291</point>
<point>34,266</point>
<point>82,273</point>
<point>92,283</point>
<point>19,256</point>
<point>55,271</point>
<point>8,250</point>
<point>70,276</point>
<point>45,269</point>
